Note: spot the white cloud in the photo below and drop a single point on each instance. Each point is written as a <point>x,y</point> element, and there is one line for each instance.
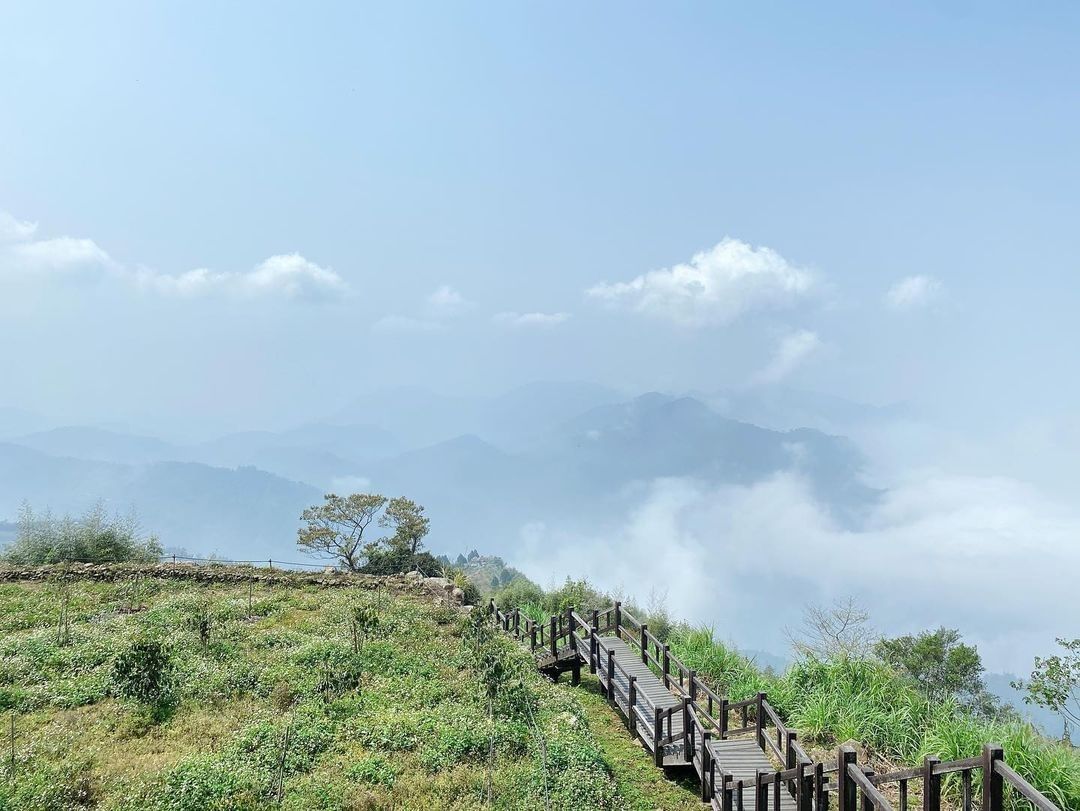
<point>60,256</point>
<point>531,319</point>
<point>446,301</point>
<point>792,351</point>
<point>716,286</point>
<point>13,230</point>
<point>937,549</point>
<point>405,323</point>
<point>289,276</point>
<point>913,292</point>
<point>293,276</point>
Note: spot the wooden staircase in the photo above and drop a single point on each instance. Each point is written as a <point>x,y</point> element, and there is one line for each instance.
<point>743,754</point>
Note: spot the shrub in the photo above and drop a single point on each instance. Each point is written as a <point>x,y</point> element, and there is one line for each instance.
<point>374,770</point>
<point>94,538</point>
<point>143,671</point>
<point>518,593</point>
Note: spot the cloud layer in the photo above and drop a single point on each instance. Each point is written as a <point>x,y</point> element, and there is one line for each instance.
<point>937,549</point>
<point>715,287</point>
<point>288,276</point>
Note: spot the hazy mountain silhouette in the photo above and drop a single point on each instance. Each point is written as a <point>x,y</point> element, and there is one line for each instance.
<point>236,512</point>
<point>98,444</point>
<point>568,452</point>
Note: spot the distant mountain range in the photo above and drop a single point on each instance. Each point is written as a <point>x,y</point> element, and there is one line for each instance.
<point>483,466</point>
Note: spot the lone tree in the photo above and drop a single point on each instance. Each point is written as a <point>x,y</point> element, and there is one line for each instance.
<point>939,662</point>
<point>335,528</point>
<point>409,524</point>
<point>841,630</point>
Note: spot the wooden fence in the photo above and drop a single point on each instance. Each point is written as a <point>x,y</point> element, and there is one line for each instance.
<point>687,730</point>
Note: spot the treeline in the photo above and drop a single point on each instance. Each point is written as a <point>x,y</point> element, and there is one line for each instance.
<point>901,698</point>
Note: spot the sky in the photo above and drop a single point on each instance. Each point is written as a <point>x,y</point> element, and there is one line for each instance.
<point>249,213</point>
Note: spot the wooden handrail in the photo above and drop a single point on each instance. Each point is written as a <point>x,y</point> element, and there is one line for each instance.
<point>1028,791</point>
<point>868,789</point>
<point>957,765</point>
<point>799,774</point>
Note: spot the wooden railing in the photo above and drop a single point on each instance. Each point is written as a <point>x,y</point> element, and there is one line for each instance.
<point>844,785</point>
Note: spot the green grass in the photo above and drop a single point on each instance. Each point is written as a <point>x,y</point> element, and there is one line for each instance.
<point>636,776</point>
<point>403,723</point>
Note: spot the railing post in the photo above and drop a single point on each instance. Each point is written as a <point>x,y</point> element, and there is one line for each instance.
<point>532,636</point>
<point>846,789</point>
<point>596,620</point>
<point>517,623</point>
<point>705,754</point>
<point>992,785</point>
<point>570,629</point>
<point>554,641</point>
<point>867,802</point>
<point>611,677</point>
<point>618,617</point>
<point>931,795</point>
<point>575,662</point>
<point>631,701</point>
<point>723,718</point>
<point>761,791</point>
<point>761,723</point>
<point>691,688</point>
<point>658,736</point>
<point>821,795</point>
<point>804,788</point>
<point>667,666</point>
<point>789,758</point>
<point>725,792</point>
<point>593,650</point>
<point>688,755</point>
<point>645,643</point>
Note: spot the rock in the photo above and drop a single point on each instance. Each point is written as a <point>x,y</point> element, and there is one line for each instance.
<point>458,596</point>
<point>414,575</point>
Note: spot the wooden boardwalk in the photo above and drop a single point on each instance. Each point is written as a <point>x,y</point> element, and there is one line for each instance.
<point>649,694</point>
<point>743,754</point>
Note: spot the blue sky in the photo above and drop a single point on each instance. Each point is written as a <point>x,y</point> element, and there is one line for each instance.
<point>248,213</point>
<point>523,153</point>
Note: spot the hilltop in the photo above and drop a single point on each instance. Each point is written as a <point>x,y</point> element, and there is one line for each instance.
<point>357,697</point>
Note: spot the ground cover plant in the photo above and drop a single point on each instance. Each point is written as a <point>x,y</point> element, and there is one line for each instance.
<point>231,696</point>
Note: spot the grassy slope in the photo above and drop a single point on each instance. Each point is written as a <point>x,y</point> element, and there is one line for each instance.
<point>413,733</point>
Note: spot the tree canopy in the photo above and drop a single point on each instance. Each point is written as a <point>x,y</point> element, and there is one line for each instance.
<point>939,663</point>
<point>335,528</point>
<point>340,529</point>
<point>1055,683</point>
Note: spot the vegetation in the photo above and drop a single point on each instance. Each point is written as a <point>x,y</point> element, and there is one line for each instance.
<point>95,537</point>
<point>901,699</point>
<point>211,696</point>
<point>335,530</point>
<point>943,667</point>
<point>1055,683</point>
